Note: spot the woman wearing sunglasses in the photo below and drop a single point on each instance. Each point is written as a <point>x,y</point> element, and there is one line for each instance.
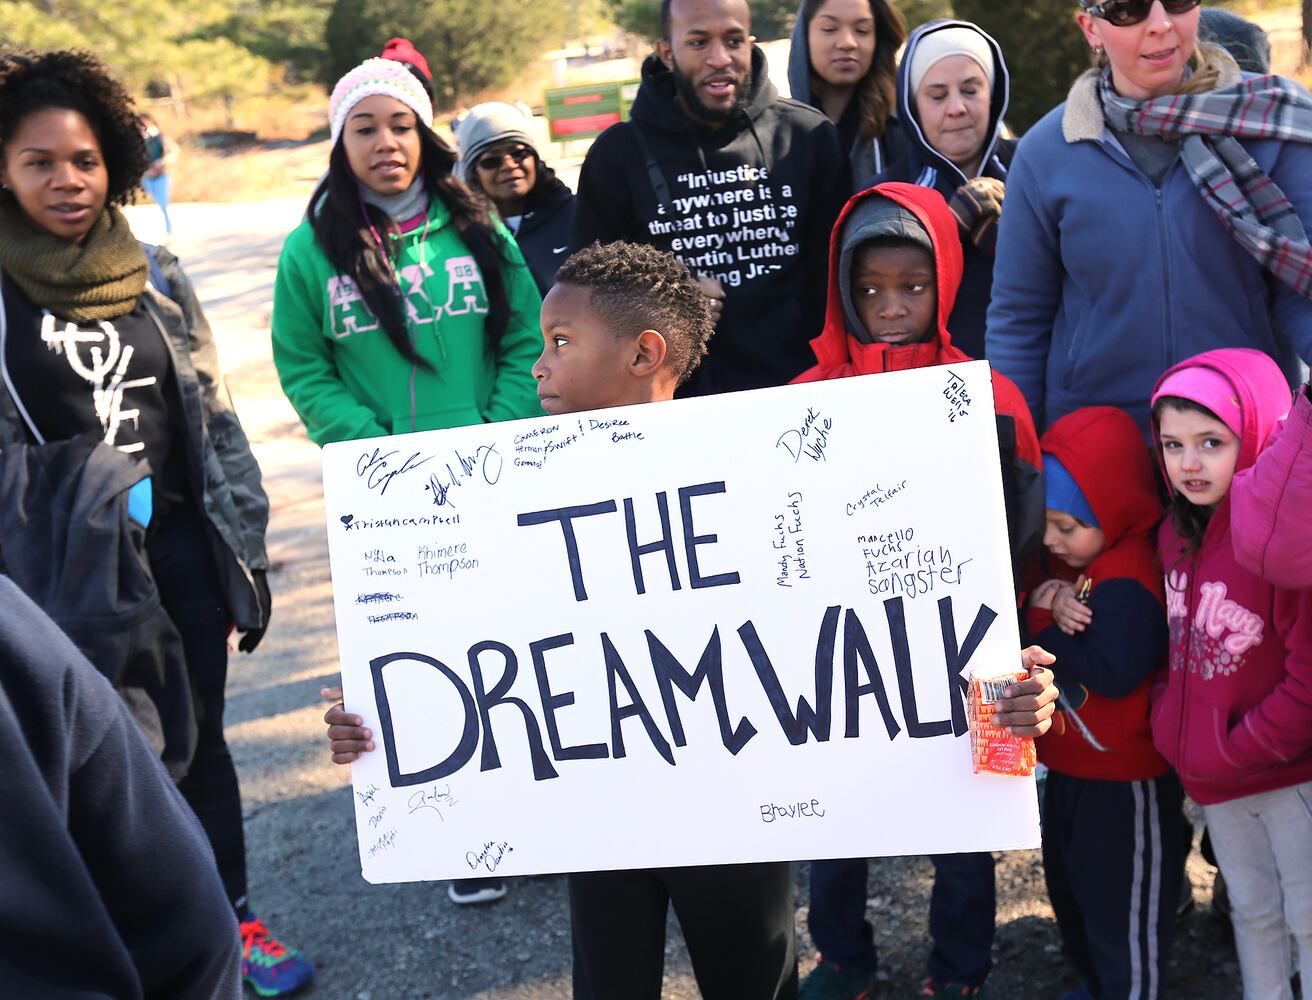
<point>498,160</point>
<point>400,305</point>
<point>1158,213</point>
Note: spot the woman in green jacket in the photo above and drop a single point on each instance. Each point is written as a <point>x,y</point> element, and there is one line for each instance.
<point>400,305</point>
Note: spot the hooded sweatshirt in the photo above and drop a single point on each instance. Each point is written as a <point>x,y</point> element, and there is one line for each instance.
<point>750,203</point>
<point>840,351</point>
<point>1234,712</point>
<point>1106,671</point>
<point>347,381</point>
<point>920,163</point>
<point>868,157</point>
<point>1270,501</point>
<point>110,883</point>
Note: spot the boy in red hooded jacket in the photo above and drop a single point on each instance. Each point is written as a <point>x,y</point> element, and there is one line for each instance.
<point>1114,838</point>
<point>895,265</point>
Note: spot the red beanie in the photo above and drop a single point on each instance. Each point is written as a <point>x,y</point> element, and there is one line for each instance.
<point>400,50</point>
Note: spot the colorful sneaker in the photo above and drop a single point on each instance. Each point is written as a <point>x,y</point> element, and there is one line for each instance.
<point>272,969</point>
<point>827,981</point>
<point>951,991</point>
<point>467,891</point>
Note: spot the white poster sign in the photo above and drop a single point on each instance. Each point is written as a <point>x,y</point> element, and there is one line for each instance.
<point>728,629</point>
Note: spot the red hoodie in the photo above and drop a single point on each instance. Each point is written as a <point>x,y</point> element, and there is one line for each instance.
<point>1106,671</point>
<point>839,354</point>
<point>1234,712</point>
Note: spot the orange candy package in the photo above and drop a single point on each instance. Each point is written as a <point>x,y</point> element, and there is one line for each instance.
<point>993,749</point>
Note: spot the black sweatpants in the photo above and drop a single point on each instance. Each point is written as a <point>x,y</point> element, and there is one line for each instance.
<point>736,919</point>
<point>188,580</point>
<point>1113,856</point>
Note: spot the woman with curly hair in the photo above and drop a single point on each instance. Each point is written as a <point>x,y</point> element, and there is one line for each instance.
<point>400,304</point>
<point>89,348</point>
<point>844,62</point>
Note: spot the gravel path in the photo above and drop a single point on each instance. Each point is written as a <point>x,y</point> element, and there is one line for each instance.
<point>383,942</point>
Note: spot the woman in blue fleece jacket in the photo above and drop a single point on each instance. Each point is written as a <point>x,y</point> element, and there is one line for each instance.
<point>1111,265</point>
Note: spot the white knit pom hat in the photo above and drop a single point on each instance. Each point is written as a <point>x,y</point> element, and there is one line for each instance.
<point>955,40</point>
<point>377,76</point>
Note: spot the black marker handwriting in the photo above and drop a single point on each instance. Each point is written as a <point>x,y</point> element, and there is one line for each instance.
<point>811,439</point>
<point>367,796</point>
<point>771,812</point>
<point>489,856</point>
<point>485,460</point>
<point>375,467</point>
<point>432,798</point>
<point>381,597</point>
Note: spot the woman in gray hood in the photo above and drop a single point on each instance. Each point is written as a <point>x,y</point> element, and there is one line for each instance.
<point>844,62</point>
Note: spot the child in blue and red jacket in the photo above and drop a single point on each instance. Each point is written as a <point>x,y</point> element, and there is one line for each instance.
<point>895,266</point>
<point>1114,840</point>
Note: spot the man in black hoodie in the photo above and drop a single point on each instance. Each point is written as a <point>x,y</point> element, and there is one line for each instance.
<point>741,185</point>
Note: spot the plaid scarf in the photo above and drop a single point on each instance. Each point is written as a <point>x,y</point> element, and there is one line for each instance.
<point>1251,205</point>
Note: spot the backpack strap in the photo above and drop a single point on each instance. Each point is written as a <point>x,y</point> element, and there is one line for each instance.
<point>654,172</point>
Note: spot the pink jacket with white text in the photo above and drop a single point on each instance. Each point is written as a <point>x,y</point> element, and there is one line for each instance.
<point>1233,713</point>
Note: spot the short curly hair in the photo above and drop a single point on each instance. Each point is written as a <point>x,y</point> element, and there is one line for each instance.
<point>637,287</point>
<point>76,81</point>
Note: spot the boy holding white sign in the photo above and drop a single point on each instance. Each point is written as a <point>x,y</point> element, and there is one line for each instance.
<point>894,270</point>
<point>626,324</point>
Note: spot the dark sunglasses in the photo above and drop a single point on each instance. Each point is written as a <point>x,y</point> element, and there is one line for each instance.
<point>1123,13</point>
<point>493,161</point>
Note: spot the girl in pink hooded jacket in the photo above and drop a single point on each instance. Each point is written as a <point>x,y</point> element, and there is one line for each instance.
<point>1234,712</point>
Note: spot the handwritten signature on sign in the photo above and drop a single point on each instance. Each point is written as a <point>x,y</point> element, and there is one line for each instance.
<point>811,439</point>
<point>367,796</point>
<point>958,398</point>
<point>433,799</point>
<point>378,468</point>
<point>484,461</point>
<point>489,856</point>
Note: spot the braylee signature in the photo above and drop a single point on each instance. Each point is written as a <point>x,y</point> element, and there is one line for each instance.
<point>489,857</point>
<point>431,798</point>
<point>375,467</point>
<point>485,459</point>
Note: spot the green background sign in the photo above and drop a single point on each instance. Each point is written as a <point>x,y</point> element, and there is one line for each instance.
<point>587,111</point>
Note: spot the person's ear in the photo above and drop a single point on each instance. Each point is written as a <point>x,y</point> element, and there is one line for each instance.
<point>1085,22</point>
<point>650,352</point>
<point>665,53</point>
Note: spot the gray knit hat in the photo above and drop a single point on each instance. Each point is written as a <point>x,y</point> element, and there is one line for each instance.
<point>486,125</point>
<point>877,215</point>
